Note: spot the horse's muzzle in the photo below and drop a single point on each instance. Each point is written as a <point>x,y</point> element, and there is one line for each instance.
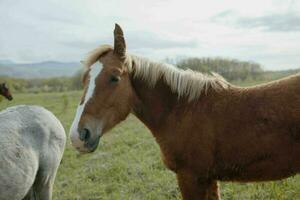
<point>9,98</point>
<point>89,142</point>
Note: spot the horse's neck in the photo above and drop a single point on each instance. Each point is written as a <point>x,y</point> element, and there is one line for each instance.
<point>153,104</point>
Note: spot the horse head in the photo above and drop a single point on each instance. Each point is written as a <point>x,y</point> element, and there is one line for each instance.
<point>107,96</point>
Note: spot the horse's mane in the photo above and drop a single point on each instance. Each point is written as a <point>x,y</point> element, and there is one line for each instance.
<point>186,83</point>
<point>94,55</point>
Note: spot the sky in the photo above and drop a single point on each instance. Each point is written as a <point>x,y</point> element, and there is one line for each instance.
<point>267,32</point>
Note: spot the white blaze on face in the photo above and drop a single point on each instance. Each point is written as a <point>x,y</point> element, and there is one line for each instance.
<point>74,135</point>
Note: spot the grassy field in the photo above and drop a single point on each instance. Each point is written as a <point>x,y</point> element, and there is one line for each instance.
<point>127,163</point>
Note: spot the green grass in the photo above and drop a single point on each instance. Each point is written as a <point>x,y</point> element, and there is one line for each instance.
<point>127,163</point>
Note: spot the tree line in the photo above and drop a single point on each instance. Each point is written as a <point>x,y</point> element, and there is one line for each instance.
<point>231,69</point>
<point>36,85</point>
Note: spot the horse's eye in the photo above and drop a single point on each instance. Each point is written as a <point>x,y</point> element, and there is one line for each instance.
<point>114,79</point>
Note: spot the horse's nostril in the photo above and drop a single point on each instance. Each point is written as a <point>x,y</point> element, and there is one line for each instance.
<point>84,134</point>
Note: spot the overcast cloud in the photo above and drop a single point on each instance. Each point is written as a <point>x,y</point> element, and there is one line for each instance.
<point>267,31</point>
<point>275,22</point>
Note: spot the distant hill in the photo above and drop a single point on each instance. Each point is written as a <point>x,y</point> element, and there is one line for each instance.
<point>38,70</point>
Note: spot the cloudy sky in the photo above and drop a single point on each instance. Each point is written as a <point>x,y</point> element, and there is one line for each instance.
<point>267,32</point>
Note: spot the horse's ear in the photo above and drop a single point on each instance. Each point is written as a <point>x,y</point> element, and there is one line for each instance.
<point>119,42</point>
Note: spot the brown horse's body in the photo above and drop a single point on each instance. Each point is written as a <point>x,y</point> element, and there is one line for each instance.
<point>238,134</point>
<point>207,129</point>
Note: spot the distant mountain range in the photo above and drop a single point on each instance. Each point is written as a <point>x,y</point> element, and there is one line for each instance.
<point>38,70</point>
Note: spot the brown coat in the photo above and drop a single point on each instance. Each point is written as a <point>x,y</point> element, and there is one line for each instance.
<point>207,129</point>
<point>238,134</point>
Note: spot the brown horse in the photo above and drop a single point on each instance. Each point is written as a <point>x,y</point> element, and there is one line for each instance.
<point>4,91</point>
<point>208,130</point>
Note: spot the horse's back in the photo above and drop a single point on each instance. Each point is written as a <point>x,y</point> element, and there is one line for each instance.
<point>32,142</point>
<point>259,129</point>
<point>32,124</point>
<point>278,100</point>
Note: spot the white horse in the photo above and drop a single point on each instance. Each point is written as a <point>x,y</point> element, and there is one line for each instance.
<point>32,142</point>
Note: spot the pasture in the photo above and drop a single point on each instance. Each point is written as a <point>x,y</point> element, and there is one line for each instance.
<point>127,163</point>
